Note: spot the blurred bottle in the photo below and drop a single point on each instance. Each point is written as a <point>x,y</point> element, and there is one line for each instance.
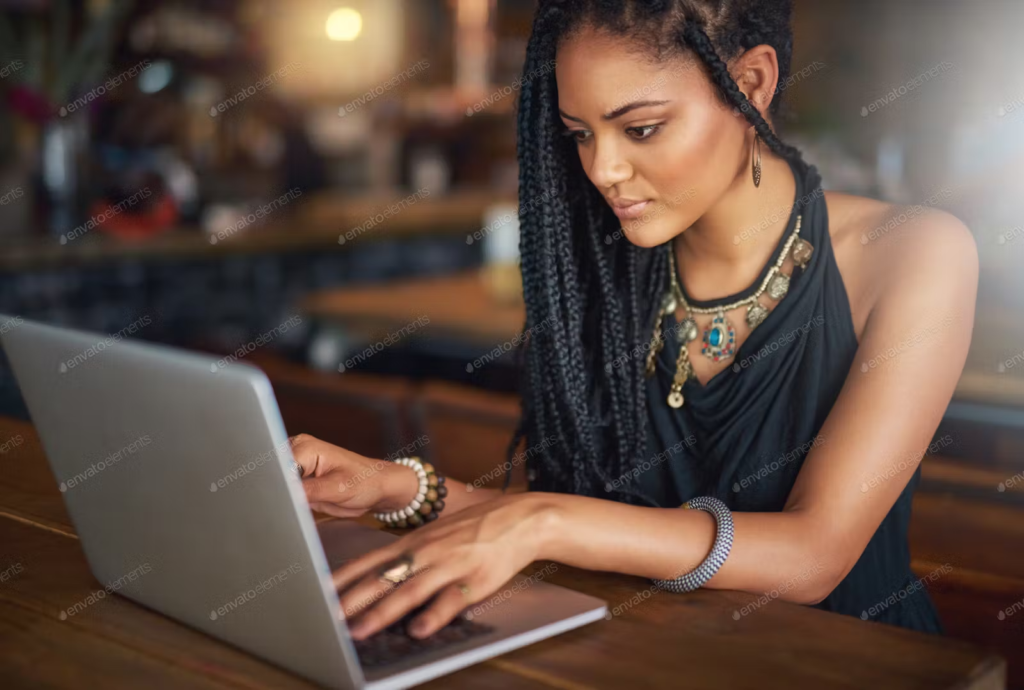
<point>501,253</point>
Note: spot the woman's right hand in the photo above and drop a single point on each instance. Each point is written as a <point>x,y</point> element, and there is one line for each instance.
<point>344,484</point>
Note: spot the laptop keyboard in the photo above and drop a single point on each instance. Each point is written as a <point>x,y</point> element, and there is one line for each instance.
<point>394,643</point>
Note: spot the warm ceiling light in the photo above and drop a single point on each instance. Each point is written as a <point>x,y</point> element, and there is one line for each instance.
<point>344,24</point>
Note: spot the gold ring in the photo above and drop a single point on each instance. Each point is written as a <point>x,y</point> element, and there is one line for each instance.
<point>398,570</point>
<point>465,590</point>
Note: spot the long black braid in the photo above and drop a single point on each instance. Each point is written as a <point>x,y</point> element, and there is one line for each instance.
<point>591,304</point>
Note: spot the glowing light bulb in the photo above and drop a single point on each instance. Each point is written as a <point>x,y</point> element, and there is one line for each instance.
<point>344,24</point>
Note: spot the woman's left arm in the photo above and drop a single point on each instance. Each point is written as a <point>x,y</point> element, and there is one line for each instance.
<point>911,354</point>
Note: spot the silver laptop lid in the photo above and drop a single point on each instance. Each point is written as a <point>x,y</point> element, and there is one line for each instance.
<point>176,474</point>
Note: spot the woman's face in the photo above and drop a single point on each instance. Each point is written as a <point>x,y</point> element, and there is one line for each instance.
<point>653,137</point>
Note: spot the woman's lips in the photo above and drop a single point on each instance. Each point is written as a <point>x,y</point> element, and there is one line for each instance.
<point>632,211</point>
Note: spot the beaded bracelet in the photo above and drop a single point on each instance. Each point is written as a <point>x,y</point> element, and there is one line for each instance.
<point>719,552</point>
<point>428,502</point>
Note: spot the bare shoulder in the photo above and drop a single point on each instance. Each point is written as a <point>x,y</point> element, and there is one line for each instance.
<point>879,246</point>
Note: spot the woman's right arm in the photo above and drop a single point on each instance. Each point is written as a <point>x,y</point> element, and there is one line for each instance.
<point>344,484</point>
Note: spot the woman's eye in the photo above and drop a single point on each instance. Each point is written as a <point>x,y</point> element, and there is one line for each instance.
<point>643,132</point>
<point>578,135</point>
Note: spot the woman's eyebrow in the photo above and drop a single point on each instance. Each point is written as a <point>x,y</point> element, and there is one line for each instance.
<point>618,112</point>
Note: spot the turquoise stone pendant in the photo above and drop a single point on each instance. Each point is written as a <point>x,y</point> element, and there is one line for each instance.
<point>719,339</point>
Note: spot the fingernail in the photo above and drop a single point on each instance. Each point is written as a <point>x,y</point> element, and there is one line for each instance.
<point>417,629</point>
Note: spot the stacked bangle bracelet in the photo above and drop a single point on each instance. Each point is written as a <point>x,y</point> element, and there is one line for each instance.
<point>719,552</point>
<point>429,500</point>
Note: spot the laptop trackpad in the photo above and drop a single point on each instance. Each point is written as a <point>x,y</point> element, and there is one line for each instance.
<point>344,540</point>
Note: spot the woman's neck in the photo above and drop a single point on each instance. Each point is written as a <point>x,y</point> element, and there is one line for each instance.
<point>725,250</point>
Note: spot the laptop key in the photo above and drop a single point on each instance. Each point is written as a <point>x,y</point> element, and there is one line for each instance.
<point>394,643</point>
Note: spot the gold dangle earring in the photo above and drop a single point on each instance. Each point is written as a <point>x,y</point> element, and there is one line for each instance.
<point>756,159</point>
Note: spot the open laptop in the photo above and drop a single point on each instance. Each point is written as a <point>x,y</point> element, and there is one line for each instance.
<point>177,474</point>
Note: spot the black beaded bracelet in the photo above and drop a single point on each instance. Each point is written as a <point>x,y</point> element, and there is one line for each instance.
<point>428,502</point>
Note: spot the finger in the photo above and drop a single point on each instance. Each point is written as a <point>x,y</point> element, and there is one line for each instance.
<point>321,489</point>
<point>334,510</point>
<point>306,452</point>
<point>353,570</point>
<point>404,599</point>
<point>449,603</point>
<point>370,589</point>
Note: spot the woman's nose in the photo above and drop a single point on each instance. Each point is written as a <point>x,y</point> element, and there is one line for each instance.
<point>609,167</point>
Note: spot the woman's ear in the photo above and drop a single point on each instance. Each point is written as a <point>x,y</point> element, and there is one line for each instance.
<point>757,74</point>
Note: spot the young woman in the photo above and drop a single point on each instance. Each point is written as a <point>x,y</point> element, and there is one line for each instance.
<point>716,329</point>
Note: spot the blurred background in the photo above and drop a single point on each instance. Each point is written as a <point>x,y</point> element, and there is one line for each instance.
<point>327,189</point>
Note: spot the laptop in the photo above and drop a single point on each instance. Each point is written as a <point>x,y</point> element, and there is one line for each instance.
<point>177,474</point>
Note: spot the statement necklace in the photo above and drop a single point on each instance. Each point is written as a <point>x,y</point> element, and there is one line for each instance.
<point>719,338</point>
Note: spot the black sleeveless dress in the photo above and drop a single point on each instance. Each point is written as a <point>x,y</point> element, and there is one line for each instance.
<point>743,437</point>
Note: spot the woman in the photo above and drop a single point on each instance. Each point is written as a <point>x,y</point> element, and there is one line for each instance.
<point>826,341</point>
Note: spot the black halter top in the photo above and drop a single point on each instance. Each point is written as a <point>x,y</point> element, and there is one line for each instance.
<point>743,437</point>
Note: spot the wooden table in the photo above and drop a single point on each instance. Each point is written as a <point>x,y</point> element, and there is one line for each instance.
<point>661,640</point>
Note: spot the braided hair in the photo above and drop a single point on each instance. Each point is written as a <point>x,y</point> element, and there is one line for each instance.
<point>589,301</point>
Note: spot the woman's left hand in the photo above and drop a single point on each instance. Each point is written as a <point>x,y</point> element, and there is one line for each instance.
<point>462,558</point>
